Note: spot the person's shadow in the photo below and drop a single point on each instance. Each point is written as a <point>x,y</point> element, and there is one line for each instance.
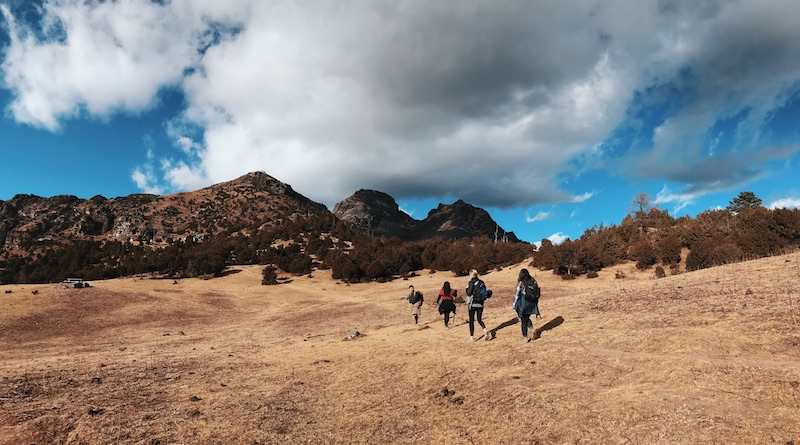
<point>552,324</point>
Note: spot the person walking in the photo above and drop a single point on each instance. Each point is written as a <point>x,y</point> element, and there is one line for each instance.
<point>475,300</point>
<point>446,302</point>
<point>526,303</point>
<point>415,298</point>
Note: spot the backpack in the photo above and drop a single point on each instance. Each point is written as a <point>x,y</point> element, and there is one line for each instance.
<point>532,292</point>
<point>413,299</point>
<point>479,292</point>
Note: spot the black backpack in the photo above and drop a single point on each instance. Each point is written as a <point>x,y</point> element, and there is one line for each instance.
<point>532,292</point>
<point>479,291</point>
<point>415,298</point>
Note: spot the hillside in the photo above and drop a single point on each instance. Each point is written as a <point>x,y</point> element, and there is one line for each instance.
<point>244,204</point>
<point>706,357</point>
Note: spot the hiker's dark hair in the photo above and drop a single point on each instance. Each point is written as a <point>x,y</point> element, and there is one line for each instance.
<point>446,288</point>
<point>524,275</point>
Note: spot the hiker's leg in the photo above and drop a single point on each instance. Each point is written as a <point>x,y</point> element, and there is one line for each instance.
<point>472,321</point>
<point>446,318</point>
<point>416,318</point>
<point>524,322</point>
<point>479,312</point>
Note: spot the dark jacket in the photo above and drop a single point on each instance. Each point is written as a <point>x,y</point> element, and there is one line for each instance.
<point>471,287</point>
<point>523,306</point>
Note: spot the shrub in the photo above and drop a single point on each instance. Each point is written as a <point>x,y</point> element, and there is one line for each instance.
<point>660,273</point>
<point>592,274</point>
<point>643,252</point>
<point>269,276</point>
<point>376,270</point>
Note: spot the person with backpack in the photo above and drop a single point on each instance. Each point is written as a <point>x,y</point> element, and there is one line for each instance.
<point>447,302</point>
<point>415,299</point>
<point>526,302</point>
<point>476,296</point>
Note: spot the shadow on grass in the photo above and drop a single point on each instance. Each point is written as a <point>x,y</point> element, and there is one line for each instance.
<point>552,324</point>
<point>228,272</point>
<point>492,333</point>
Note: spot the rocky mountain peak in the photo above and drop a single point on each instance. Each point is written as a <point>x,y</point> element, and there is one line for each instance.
<point>377,214</point>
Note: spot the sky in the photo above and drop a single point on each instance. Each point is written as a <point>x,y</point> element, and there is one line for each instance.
<point>551,115</point>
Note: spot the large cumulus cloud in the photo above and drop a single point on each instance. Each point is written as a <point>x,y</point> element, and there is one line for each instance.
<point>493,102</point>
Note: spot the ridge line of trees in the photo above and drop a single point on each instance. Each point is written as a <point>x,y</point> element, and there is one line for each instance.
<point>651,237</point>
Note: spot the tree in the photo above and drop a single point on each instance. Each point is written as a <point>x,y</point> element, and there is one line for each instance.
<point>642,203</point>
<point>269,276</point>
<point>745,200</point>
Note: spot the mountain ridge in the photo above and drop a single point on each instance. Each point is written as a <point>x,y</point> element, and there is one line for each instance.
<point>245,203</point>
<point>242,205</point>
<point>377,214</point>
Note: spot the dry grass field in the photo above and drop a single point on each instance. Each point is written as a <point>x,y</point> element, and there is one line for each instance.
<point>709,357</point>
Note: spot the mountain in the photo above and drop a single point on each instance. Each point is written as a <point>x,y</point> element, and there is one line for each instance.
<point>244,204</point>
<point>377,214</point>
<point>41,239</point>
<point>462,220</point>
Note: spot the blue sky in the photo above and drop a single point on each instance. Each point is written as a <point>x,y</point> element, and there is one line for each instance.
<point>551,115</point>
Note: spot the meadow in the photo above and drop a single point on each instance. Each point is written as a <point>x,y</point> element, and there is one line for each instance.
<point>706,357</point>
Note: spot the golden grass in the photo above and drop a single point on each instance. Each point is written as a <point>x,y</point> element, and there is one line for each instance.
<point>699,358</point>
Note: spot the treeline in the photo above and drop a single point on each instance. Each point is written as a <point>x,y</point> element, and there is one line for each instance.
<point>651,237</point>
<point>295,246</point>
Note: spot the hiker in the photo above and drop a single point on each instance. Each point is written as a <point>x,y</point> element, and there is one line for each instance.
<point>446,302</point>
<point>415,298</point>
<point>526,303</point>
<point>475,300</point>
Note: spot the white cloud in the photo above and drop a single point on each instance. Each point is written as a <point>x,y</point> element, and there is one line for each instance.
<point>114,56</point>
<point>184,177</point>
<point>490,102</point>
<point>540,216</point>
<point>785,203</point>
<point>680,200</point>
<point>584,197</point>
<point>557,238</point>
<point>144,179</point>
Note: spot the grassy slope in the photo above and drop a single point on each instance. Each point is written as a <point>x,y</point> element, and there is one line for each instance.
<point>705,357</point>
